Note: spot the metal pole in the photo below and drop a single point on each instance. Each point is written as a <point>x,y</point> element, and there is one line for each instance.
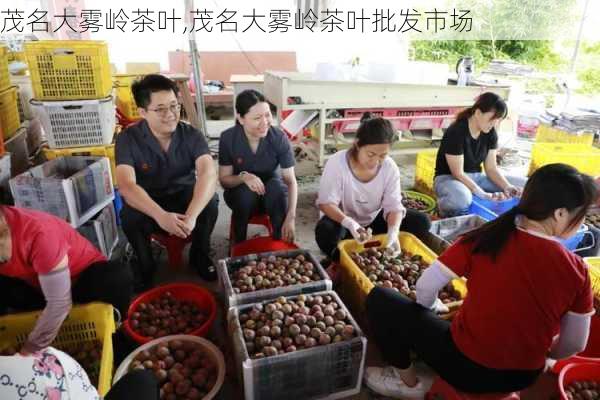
<point>200,108</point>
<point>577,43</point>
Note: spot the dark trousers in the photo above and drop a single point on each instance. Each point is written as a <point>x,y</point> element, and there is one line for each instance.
<point>139,384</point>
<point>400,325</point>
<point>329,233</point>
<point>138,227</point>
<point>108,282</point>
<point>244,203</point>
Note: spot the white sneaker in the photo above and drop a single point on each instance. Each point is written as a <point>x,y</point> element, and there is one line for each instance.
<point>387,382</point>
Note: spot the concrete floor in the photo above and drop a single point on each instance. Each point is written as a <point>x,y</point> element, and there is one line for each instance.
<point>307,216</point>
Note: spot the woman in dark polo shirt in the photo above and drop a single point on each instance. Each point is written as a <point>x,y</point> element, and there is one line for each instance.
<point>469,142</point>
<point>256,169</point>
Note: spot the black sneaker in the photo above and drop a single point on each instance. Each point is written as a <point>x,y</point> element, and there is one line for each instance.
<point>206,269</point>
<point>209,273</point>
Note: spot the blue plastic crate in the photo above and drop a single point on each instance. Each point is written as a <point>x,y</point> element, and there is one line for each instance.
<point>573,242</point>
<point>490,209</point>
<point>118,202</point>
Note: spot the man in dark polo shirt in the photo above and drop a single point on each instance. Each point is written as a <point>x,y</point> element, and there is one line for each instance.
<point>166,177</point>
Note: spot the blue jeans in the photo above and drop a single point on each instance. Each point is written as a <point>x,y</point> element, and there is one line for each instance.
<point>454,198</point>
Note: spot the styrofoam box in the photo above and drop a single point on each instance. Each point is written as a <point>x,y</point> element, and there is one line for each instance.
<point>228,265</point>
<point>333,371</point>
<point>102,230</point>
<point>73,188</point>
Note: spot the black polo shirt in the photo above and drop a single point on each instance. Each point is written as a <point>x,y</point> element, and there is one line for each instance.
<point>457,141</point>
<point>161,173</point>
<point>273,151</point>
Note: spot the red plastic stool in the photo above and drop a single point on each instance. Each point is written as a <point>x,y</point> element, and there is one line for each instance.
<point>441,390</point>
<point>256,219</point>
<point>261,244</point>
<point>174,246</point>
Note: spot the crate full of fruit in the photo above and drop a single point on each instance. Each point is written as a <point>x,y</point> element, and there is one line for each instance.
<point>86,335</point>
<point>256,277</point>
<point>306,346</point>
<point>365,266</point>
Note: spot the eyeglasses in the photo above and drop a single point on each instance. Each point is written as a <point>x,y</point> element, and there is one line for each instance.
<point>164,111</point>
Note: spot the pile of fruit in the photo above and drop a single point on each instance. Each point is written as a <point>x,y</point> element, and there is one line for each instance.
<point>593,220</point>
<point>166,315</point>
<point>400,273</point>
<point>273,272</point>
<point>285,325</point>
<point>183,368</point>
<point>414,203</point>
<point>583,390</point>
<point>87,354</point>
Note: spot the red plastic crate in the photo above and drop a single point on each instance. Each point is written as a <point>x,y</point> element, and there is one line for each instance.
<point>182,291</point>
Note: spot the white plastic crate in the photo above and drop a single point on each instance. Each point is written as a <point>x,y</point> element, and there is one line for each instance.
<point>77,123</point>
<point>102,230</point>
<point>229,265</point>
<point>72,188</point>
<point>449,229</point>
<point>333,371</point>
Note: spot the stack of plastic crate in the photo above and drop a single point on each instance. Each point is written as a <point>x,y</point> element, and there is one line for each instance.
<point>72,98</point>
<point>330,371</point>
<point>9,111</point>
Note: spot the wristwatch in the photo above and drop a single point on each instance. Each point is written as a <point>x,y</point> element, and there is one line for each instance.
<point>241,174</point>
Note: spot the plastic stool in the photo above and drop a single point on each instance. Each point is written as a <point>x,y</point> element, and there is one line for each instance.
<point>441,390</point>
<point>256,219</point>
<point>261,244</point>
<point>174,246</point>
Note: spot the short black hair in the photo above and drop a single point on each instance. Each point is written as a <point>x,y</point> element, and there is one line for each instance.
<point>248,99</point>
<point>142,89</point>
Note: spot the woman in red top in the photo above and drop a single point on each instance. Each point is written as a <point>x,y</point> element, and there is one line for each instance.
<point>524,288</point>
<point>45,263</point>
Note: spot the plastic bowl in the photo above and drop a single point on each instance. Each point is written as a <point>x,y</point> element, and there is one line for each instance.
<point>586,371</point>
<point>208,346</point>
<point>430,201</point>
<point>182,291</point>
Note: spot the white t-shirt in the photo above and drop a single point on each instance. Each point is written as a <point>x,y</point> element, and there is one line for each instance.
<point>47,374</point>
<point>359,200</point>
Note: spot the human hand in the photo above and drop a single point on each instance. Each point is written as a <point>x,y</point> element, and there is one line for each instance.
<point>288,230</point>
<point>173,224</point>
<point>439,307</point>
<point>360,234</point>
<point>393,242</point>
<point>254,183</point>
<point>512,191</point>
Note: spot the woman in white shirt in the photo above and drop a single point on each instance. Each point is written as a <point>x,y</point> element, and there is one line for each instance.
<point>360,189</point>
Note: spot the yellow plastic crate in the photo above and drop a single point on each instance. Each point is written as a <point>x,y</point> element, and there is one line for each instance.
<point>4,75</point>
<point>69,69</point>
<point>425,171</point>
<point>125,101</point>
<point>355,285</point>
<point>94,321</point>
<point>93,151</point>
<point>594,269</point>
<point>583,157</point>
<point>10,120</point>
<point>550,134</point>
